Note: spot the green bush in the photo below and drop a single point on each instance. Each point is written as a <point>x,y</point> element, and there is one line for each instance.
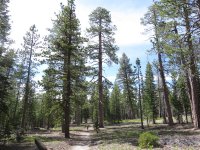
<point>148,140</point>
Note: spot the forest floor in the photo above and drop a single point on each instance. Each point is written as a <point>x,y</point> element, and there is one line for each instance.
<point>123,136</point>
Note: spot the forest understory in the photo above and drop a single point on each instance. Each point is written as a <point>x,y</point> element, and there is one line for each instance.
<point>123,136</point>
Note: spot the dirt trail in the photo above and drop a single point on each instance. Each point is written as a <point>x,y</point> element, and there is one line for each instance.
<point>80,140</point>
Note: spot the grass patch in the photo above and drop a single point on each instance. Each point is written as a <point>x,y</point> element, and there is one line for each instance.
<point>131,121</point>
<point>116,146</point>
<point>117,138</point>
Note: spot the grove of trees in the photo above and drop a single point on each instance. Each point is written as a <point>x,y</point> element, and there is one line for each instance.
<point>74,88</point>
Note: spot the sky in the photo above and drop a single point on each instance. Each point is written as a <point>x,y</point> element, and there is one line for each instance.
<point>125,14</point>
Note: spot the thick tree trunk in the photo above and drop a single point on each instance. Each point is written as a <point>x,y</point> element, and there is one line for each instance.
<point>66,94</point>
<point>193,74</point>
<point>100,83</point>
<point>165,90</point>
<point>67,81</point>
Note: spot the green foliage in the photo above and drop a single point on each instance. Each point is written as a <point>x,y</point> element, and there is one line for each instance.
<point>149,98</point>
<point>115,104</point>
<point>148,140</point>
<point>4,25</point>
<point>126,81</point>
<point>101,24</point>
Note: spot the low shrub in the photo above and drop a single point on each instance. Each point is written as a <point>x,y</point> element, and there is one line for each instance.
<point>148,140</point>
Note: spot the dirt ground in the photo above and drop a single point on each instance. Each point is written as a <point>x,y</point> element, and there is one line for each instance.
<point>177,137</point>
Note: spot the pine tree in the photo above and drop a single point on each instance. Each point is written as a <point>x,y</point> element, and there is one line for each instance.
<point>150,100</point>
<point>4,65</point>
<point>102,48</point>
<point>152,18</point>
<point>183,97</point>
<point>125,79</point>
<point>30,45</point>
<point>138,73</point>
<point>115,104</point>
<point>66,50</point>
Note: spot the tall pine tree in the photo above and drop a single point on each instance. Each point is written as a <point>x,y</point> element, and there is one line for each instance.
<point>101,47</point>
<point>65,49</point>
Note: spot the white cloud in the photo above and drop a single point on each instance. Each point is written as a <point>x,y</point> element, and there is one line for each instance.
<point>129,28</point>
<point>25,13</point>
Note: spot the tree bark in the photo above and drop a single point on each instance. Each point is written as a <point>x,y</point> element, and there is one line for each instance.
<point>192,72</point>
<point>67,80</point>
<point>139,96</point>
<point>27,86</point>
<point>161,70</point>
<point>165,90</point>
<point>100,83</point>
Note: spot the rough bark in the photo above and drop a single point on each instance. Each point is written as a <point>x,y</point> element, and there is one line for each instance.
<point>192,72</point>
<point>100,84</point>
<point>67,80</point>
<point>165,90</point>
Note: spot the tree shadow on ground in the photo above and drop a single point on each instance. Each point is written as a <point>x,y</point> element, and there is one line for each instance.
<point>130,134</point>
<point>20,146</point>
<point>81,138</point>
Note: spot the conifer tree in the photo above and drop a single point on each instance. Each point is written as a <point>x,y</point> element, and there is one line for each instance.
<point>126,81</point>
<point>139,74</point>
<point>4,65</point>
<point>150,100</point>
<point>152,18</point>
<point>115,104</point>
<point>101,48</point>
<point>66,50</point>
<point>30,45</point>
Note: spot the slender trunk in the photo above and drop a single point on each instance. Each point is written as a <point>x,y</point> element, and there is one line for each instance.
<point>27,86</point>
<point>162,75</point>
<point>159,95</point>
<point>164,114</point>
<point>140,103</point>
<point>192,72</point>
<point>129,95</point>
<point>100,83</point>
<point>17,101</point>
<point>78,115</point>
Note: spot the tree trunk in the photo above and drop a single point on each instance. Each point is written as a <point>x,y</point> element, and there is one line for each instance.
<point>78,115</point>
<point>192,72</point>
<point>165,90</point>
<point>161,70</point>
<point>17,101</point>
<point>186,116</point>
<point>140,102</point>
<point>27,86</point>
<point>67,81</point>
<point>100,83</point>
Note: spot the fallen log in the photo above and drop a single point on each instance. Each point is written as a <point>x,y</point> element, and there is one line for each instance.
<point>40,145</point>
